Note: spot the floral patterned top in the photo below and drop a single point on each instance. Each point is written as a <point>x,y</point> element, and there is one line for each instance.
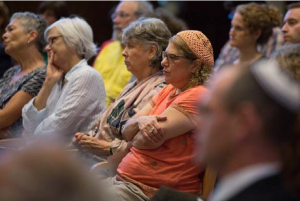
<point>30,83</point>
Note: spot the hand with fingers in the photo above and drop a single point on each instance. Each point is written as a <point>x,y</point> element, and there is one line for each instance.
<point>90,144</point>
<point>54,73</point>
<point>150,128</point>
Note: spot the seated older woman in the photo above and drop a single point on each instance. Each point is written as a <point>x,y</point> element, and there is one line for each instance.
<point>161,135</point>
<point>73,94</point>
<point>23,41</point>
<point>144,41</point>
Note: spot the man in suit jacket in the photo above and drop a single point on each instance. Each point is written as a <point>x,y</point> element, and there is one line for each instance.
<point>246,123</point>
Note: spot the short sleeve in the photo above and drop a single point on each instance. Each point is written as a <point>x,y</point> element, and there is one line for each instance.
<point>187,101</point>
<point>35,83</point>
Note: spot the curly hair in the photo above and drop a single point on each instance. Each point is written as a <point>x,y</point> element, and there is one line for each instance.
<point>260,17</point>
<point>288,57</point>
<point>203,71</point>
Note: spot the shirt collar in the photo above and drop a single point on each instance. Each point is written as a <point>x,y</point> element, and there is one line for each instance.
<point>83,62</point>
<point>241,179</point>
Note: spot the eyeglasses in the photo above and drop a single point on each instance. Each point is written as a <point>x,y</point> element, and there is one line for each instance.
<point>173,57</point>
<point>121,14</point>
<point>52,39</point>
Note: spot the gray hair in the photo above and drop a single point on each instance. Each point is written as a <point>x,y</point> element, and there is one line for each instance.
<point>77,34</point>
<point>149,31</point>
<point>144,9</point>
<point>32,22</point>
<point>288,57</point>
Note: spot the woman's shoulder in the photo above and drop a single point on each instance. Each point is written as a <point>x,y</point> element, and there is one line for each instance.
<point>194,92</point>
<point>88,72</point>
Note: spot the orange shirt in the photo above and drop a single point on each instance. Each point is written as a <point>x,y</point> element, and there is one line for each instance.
<point>169,165</point>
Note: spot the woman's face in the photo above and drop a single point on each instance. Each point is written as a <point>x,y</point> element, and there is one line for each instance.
<point>15,37</point>
<point>240,36</point>
<point>136,57</point>
<point>178,71</point>
<point>57,46</point>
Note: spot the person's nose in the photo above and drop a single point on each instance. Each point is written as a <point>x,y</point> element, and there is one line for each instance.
<point>284,28</point>
<point>124,53</point>
<point>165,62</point>
<point>4,37</point>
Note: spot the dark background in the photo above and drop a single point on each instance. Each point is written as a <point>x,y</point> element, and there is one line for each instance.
<point>210,17</point>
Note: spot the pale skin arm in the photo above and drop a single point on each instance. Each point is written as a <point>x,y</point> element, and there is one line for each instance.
<point>131,127</point>
<point>91,144</point>
<point>176,124</point>
<point>101,147</point>
<point>53,75</point>
<point>13,109</point>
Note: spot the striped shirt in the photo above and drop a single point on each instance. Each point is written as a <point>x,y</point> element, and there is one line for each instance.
<point>73,108</point>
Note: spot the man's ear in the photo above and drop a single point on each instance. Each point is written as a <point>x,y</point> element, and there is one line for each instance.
<point>248,121</point>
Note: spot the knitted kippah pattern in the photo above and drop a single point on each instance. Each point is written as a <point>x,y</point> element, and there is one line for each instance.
<point>199,45</point>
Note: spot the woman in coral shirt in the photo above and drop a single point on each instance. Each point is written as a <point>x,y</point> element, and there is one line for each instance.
<point>161,135</point>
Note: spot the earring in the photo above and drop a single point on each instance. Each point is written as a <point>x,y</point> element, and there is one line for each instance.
<point>28,42</point>
<point>150,63</point>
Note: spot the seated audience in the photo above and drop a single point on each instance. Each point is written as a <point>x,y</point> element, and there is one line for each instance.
<point>161,135</point>
<point>252,25</point>
<point>144,41</point>
<point>73,94</point>
<point>291,27</point>
<point>53,11</point>
<point>5,61</point>
<point>23,40</point>
<point>251,139</point>
<point>288,58</point>
<point>45,172</point>
<point>110,61</point>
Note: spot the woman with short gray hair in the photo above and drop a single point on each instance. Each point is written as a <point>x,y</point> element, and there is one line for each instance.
<point>144,41</point>
<point>23,40</point>
<point>73,94</point>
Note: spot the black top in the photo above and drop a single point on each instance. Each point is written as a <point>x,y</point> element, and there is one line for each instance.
<point>30,83</point>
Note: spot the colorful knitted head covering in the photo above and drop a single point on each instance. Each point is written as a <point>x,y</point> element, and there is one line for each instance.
<point>199,45</point>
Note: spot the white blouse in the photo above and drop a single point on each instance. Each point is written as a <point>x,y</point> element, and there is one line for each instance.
<point>73,108</point>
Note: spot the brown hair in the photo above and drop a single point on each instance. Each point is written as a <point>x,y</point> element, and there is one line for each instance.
<point>260,17</point>
<point>59,8</point>
<point>293,5</point>
<point>203,71</point>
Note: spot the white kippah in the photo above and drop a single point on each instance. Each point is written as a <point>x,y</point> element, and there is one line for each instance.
<point>278,83</point>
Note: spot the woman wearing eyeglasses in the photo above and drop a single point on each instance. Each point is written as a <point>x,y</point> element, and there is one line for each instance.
<point>23,40</point>
<point>73,95</point>
<point>161,135</point>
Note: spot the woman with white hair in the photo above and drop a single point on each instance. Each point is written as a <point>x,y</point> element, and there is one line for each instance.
<point>73,94</point>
